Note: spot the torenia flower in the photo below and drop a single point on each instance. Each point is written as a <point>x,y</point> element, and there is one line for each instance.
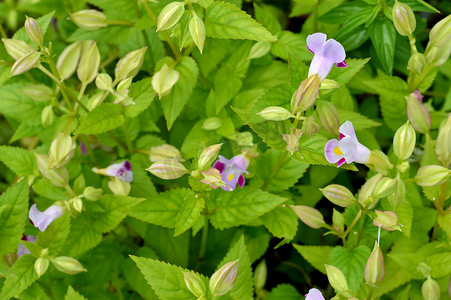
<point>21,249</point>
<point>347,149</point>
<point>122,170</point>
<point>43,219</point>
<point>232,171</point>
<point>314,294</point>
<point>327,53</point>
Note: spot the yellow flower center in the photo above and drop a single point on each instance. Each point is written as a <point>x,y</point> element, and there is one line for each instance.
<point>230,177</point>
<point>338,151</point>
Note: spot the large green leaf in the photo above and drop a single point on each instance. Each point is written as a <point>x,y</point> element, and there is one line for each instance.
<point>55,235</point>
<point>282,222</point>
<point>26,275</point>
<point>82,237</point>
<point>142,94</point>
<point>359,121</point>
<point>394,276</point>
<point>317,256</point>
<point>383,36</point>
<point>19,160</point>
<point>440,264</point>
<point>16,105</point>
<point>226,21</point>
<point>291,42</point>
<point>101,119</point>
<point>190,210</point>
<point>344,75</point>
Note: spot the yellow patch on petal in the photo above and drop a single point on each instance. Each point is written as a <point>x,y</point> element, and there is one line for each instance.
<point>338,151</point>
<point>230,177</point>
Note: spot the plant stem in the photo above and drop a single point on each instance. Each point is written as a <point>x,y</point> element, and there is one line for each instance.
<point>348,230</point>
<point>275,170</point>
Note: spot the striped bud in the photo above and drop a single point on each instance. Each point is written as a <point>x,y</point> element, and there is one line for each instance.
<point>17,48</point>
<point>292,140</point>
<point>387,220</point>
<point>25,63</point>
<point>61,150</point>
<point>443,143</point>
<point>209,155</point>
<point>197,31</point>
<point>338,221</point>
<point>259,49</point>
<point>275,113</point>
<point>119,187</point>
<point>430,289</point>
<point>95,100</point>
<point>404,141</point>
<point>399,194</point>
<point>432,175</point>
<point>168,169</point>
<point>68,60</point>
<point>89,19</point>
<point>366,194</point>
<point>260,274</point>
<point>306,94</point>
<point>384,187</point>
<point>130,64</point>
<point>309,215</point>
<point>416,63</point>
<point>212,123</point>
<point>34,31</point>
<point>170,15</point>
<point>124,84</point>
<point>380,161</point>
<point>403,19</point>
<point>38,92</point>
<point>58,177</point>
<point>375,269</point>
<point>222,281</point>
<point>418,115</point>
<point>329,84</point>
<point>41,265</point>
<point>89,63</point>
<point>68,265</point>
<point>77,204</point>
<point>164,80</point>
<point>104,82</point>
<point>195,284</point>
<point>338,195</point>
<point>47,116</point>
<point>328,116</point>
<point>163,152</point>
<point>336,278</point>
<point>440,34</point>
<point>92,194</point>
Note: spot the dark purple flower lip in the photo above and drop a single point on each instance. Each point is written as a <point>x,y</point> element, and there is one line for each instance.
<point>127,165</point>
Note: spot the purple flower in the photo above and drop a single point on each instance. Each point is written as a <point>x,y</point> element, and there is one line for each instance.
<point>347,149</point>
<point>43,219</point>
<point>122,170</point>
<point>232,171</point>
<point>314,294</point>
<point>327,53</point>
<point>22,250</point>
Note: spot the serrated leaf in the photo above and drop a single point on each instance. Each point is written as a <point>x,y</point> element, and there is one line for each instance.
<point>440,264</point>
<point>267,19</point>
<point>5,270</point>
<point>394,276</point>
<point>383,36</point>
<point>317,256</point>
<point>112,34</point>
<point>101,119</point>
<point>190,210</point>
<point>285,292</point>
<point>43,22</point>
<point>226,21</point>
<point>45,188</point>
<point>82,237</point>
<point>19,160</point>
<point>344,75</point>
<point>282,222</point>
<point>73,295</point>
<point>228,206</point>
<point>142,94</point>
<point>26,275</point>
<point>297,70</point>
<point>409,261</point>
<point>13,215</point>
<point>16,105</point>
<point>54,237</point>
<point>359,121</point>
<point>196,138</point>
<point>405,217</point>
<point>291,42</point>
<point>445,223</point>
<point>277,96</point>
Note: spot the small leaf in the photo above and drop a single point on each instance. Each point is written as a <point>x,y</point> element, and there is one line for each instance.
<point>282,222</point>
<point>142,94</point>
<point>26,275</point>
<point>317,256</point>
<point>383,36</point>
<point>19,160</point>
<point>101,119</point>
<point>189,212</point>
<point>73,295</point>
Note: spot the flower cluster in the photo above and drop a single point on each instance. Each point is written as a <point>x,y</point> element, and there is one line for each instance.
<point>232,171</point>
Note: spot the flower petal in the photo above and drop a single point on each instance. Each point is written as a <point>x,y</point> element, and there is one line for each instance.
<point>347,129</point>
<point>348,146</point>
<point>334,51</point>
<point>341,162</point>
<point>316,41</point>
<point>314,294</point>
<point>219,166</point>
<point>329,152</point>
<point>342,64</point>
<point>43,219</point>
<point>241,180</point>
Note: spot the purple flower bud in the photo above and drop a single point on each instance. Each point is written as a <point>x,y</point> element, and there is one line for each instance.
<point>22,250</point>
<point>232,171</point>
<point>122,170</point>
<point>43,219</point>
<point>314,294</point>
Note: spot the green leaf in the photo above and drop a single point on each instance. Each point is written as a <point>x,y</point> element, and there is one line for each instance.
<point>445,223</point>
<point>267,19</point>
<point>282,222</point>
<point>13,215</point>
<point>317,256</point>
<point>409,261</point>
<point>285,292</point>
<point>344,75</point>
<point>82,237</point>
<point>16,105</point>
<point>394,276</point>
<point>214,52</point>
<point>26,275</point>
<point>359,121</point>
<point>440,264</point>
<point>165,279</point>
<point>112,34</point>
<point>297,70</point>
<point>55,235</point>
<point>272,132</point>
<point>341,14</point>
<point>226,21</point>
<point>19,160</point>
<point>291,42</point>
<point>101,119</point>
<point>351,262</point>
<point>73,295</point>
<point>265,77</point>
<point>5,270</point>
<point>142,94</point>
<point>197,138</point>
<point>277,96</point>
<point>405,217</point>
<point>136,280</point>
<point>43,21</point>
<point>358,18</point>
<point>228,206</point>
<point>243,286</point>
<point>190,210</point>
<point>45,188</point>
<point>383,36</point>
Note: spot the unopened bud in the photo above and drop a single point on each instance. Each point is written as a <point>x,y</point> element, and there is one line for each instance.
<point>440,34</point>
<point>306,94</point>
<point>34,31</point>
<point>58,177</point>
<point>275,113</point>
<point>424,269</point>
<point>212,123</point>
<point>104,82</point>
<point>338,195</point>
<point>119,187</point>
<point>328,116</point>
<point>336,278</point>
<point>292,140</point>
<point>260,274</point>
<point>38,92</point>
<point>418,115</point>
<point>417,62</point>
<point>17,48</point>
<point>208,156</point>
<point>212,178</point>
<point>397,197</point>
<point>195,284</point>
<point>77,204</point>
<point>403,19</point>
<point>259,49</point>
<point>170,15</point>
<point>89,19</point>
<point>404,141</point>
<point>384,187</point>
<point>25,63</point>
<point>47,116</point>
<point>95,100</point>
<point>309,126</point>
<point>129,65</point>
<point>375,270</point>
<point>309,215</point>
<point>443,143</point>
<point>168,169</point>
<point>197,31</point>
<point>89,63</point>
<point>380,161</point>
<point>387,220</point>
<point>61,150</point>
<point>41,265</point>
<point>338,220</point>
<point>68,60</point>
<point>438,55</point>
<point>222,281</point>
<point>164,152</point>
<point>124,84</point>
<point>366,194</point>
<point>329,84</point>
<point>432,175</point>
<point>68,265</point>
<point>164,80</point>
<point>92,194</point>
<point>430,289</point>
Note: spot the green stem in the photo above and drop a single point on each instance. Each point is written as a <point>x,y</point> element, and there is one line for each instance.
<point>370,294</point>
<point>275,170</point>
<point>348,230</point>
<point>69,189</point>
<point>58,82</point>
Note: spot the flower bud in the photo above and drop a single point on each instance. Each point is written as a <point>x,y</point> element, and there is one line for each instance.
<point>34,31</point>
<point>89,63</point>
<point>338,220</point>
<point>430,289</point>
<point>375,270</point>
<point>338,195</point>
<point>197,31</point>
<point>212,178</point>
<point>68,60</point>
<point>209,155</point>
<point>328,116</point>
<point>384,187</point>
<point>47,116</point>
<point>212,123</point>
<point>17,48</point>
<point>77,204</point>
<point>260,274</point>
<point>38,92</point>
<point>387,220</point>
<point>129,65</point>
<point>432,175</point>
<point>275,113</point>
<point>424,269</point>
<point>61,150</point>
<point>89,19</point>
<point>292,140</point>
<point>68,265</point>
<point>164,152</point>
<point>380,161</point>
<point>58,177</point>
<point>336,278</point>
<point>403,19</point>
<point>438,55</point>
<point>440,34</point>
<point>306,94</point>
<point>417,62</point>
<point>92,194</point>
<point>309,215</point>
<point>222,281</point>
<point>168,169</point>
<point>170,15</point>
<point>309,126</point>
<point>443,143</point>
<point>119,187</point>
<point>104,82</point>
<point>404,141</point>
<point>195,284</point>
<point>25,63</point>
<point>41,265</point>
<point>397,197</point>
<point>259,49</point>
<point>329,84</point>
<point>366,194</point>
<point>164,80</point>
<point>124,84</point>
<point>418,115</point>
<point>95,100</point>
